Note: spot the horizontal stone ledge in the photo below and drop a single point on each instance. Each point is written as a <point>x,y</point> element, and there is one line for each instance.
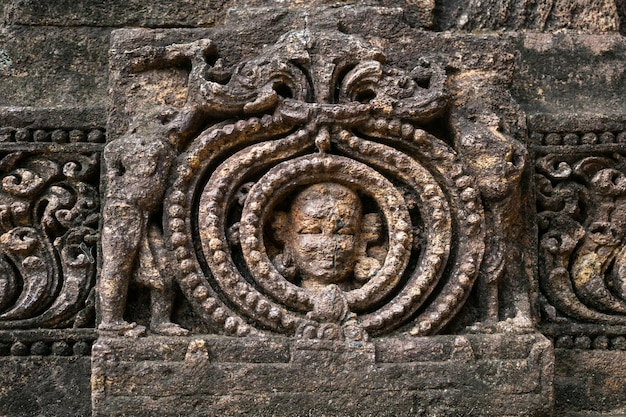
<point>178,13</point>
<point>225,349</point>
<point>535,15</point>
<point>46,342</point>
<point>566,122</point>
<point>286,377</point>
<point>47,335</point>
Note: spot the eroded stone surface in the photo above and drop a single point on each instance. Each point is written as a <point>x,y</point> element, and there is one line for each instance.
<point>53,67</point>
<point>311,189</point>
<point>184,14</point>
<point>580,368</point>
<point>49,205</point>
<point>44,386</point>
<point>494,375</point>
<point>545,15</point>
<point>571,83</point>
<point>563,80</point>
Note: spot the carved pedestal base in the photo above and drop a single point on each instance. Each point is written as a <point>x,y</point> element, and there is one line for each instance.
<point>481,375</point>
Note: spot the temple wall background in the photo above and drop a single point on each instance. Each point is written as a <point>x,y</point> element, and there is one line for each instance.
<point>569,81</point>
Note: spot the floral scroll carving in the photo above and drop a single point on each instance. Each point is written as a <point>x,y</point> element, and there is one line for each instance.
<point>49,214</point>
<point>582,232</point>
<point>308,192</point>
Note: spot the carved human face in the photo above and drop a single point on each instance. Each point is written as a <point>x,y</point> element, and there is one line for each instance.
<point>325,221</point>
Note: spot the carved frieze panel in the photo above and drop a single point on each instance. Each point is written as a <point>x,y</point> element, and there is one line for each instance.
<point>580,205</point>
<point>49,213</point>
<point>310,190</point>
<point>60,136</point>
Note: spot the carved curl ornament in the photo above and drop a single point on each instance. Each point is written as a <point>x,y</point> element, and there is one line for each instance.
<point>326,209</point>
<point>49,211</point>
<point>582,223</point>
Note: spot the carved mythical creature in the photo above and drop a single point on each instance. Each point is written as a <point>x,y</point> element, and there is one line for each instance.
<point>498,161</point>
<point>137,168</point>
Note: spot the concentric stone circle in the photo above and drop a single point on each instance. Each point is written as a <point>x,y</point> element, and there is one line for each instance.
<point>448,205</point>
<point>305,170</point>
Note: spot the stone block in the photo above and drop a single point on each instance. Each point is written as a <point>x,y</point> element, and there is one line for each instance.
<point>590,381</point>
<point>192,376</point>
<point>571,73</point>
<point>53,67</point>
<point>543,15</point>
<point>44,386</point>
<point>179,13</point>
<point>45,373</point>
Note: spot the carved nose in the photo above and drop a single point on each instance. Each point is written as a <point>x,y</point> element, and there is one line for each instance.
<point>323,86</point>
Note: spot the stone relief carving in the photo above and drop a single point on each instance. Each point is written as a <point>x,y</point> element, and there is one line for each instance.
<point>325,238</point>
<point>310,196</point>
<point>49,213</point>
<point>137,165</point>
<point>581,221</point>
<point>497,161</point>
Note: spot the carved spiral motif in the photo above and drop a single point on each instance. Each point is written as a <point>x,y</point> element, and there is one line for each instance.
<point>48,233</point>
<point>220,235</point>
<point>285,177</point>
<point>581,202</point>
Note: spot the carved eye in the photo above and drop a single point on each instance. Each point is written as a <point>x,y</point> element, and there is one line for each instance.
<point>283,90</point>
<point>365,96</point>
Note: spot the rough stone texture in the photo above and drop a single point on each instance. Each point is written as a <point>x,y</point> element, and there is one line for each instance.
<point>579,177</point>
<point>577,370</point>
<point>113,13</point>
<point>271,100</point>
<point>562,61</point>
<point>49,66</point>
<point>45,73</point>
<point>571,73</point>
<point>621,10</point>
<point>313,188</point>
<point>45,373</point>
<point>45,386</point>
<point>445,375</point>
<point>49,201</point>
<point>179,13</point>
<point>50,206</point>
<point>535,15</point>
